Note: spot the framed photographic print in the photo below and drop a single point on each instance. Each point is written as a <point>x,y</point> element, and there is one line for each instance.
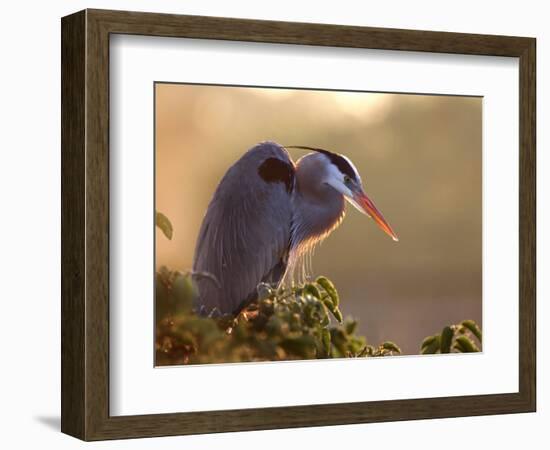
<point>272,224</point>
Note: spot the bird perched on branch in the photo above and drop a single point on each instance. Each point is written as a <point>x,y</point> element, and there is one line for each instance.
<point>265,218</point>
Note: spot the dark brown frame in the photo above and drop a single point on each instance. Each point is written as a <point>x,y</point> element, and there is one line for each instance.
<point>85,224</point>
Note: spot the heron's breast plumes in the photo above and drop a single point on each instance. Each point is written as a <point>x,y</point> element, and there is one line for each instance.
<point>310,226</point>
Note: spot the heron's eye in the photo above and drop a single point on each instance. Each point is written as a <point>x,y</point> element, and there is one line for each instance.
<point>346,179</point>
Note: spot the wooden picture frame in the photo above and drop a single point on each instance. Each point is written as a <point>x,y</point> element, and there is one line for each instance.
<point>85,224</point>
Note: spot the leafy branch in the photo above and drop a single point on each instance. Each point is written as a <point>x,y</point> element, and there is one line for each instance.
<point>303,322</point>
<point>464,337</point>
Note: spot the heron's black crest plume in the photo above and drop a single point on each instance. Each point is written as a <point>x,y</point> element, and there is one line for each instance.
<point>338,160</point>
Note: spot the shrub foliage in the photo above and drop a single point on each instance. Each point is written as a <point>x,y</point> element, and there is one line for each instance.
<point>304,322</point>
<point>464,337</point>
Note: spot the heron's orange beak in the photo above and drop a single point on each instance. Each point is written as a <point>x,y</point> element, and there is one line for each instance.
<point>371,210</point>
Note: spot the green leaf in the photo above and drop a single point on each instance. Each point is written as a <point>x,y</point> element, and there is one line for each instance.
<point>325,336</point>
<point>328,303</point>
<point>391,346</point>
<point>473,328</point>
<point>446,339</point>
<point>427,341</point>
<point>465,345</point>
<point>329,288</point>
<point>337,315</point>
<point>333,309</point>
<point>164,224</point>
<point>430,345</point>
<point>313,290</point>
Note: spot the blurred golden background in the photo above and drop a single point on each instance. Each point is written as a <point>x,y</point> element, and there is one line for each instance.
<point>420,160</point>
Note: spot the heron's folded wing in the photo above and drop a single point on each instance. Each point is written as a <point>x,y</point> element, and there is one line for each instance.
<point>246,230</point>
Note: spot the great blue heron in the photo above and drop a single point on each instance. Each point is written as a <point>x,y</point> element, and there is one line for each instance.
<point>267,214</point>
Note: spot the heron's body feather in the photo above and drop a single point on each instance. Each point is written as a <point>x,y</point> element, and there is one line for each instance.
<point>245,235</point>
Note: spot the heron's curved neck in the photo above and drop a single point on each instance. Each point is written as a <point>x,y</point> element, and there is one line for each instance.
<point>316,213</point>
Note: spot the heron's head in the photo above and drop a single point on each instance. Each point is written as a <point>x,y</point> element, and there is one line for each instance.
<point>340,174</point>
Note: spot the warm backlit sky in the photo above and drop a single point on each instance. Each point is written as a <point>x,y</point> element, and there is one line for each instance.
<point>420,160</point>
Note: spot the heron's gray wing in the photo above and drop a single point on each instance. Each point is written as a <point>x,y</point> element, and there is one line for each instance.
<point>245,234</point>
